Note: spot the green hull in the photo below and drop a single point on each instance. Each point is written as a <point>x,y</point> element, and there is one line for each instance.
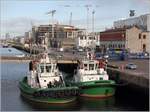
<point>28,92</point>
<point>97,89</point>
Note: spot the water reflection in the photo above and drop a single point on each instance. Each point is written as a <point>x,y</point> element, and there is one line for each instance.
<point>43,106</point>
<point>97,104</point>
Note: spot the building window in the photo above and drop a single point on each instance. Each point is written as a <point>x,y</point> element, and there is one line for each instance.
<point>69,33</point>
<point>113,45</point>
<point>110,45</point>
<point>144,36</point>
<point>144,48</point>
<point>123,46</point>
<point>139,36</point>
<point>120,45</point>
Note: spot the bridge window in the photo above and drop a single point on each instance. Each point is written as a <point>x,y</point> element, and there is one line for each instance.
<point>42,69</point>
<point>85,66</point>
<point>81,38</point>
<point>48,68</point>
<point>96,66</point>
<point>91,66</point>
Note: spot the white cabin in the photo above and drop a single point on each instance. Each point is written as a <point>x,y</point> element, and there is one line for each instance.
<point>44,72</point>
<point>89,71</point>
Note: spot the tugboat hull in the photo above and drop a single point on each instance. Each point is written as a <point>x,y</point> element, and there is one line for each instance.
<point>97,89</point>
<point>60,95</point>
<point>48,100</point>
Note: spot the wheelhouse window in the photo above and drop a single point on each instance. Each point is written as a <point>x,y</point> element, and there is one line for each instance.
<point>96,67</point>
<point>42,69</point>
<point>48,68</point>
<point>85,67</point>
<point>81,38</point>
<point>91,66</point>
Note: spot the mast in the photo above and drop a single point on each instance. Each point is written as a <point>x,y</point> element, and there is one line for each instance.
<point>87,22</point>
<point>52,12</point>
<point>93,21</point>
<point>70,21</point>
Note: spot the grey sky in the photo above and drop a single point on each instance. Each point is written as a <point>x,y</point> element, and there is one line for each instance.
<point>16,16</point>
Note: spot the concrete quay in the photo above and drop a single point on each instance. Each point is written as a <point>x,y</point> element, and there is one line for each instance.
<point>136,78</point>
<point>128,78</point>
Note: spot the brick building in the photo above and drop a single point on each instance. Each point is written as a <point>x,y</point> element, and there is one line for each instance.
<point>133,38</point>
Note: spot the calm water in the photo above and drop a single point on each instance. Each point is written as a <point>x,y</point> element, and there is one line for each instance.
<point>12,72</point>
<point>10,52</point>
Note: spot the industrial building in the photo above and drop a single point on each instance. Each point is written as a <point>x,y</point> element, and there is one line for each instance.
<point>140,21</point>
<point>133,38</point>
<point>57,35</point>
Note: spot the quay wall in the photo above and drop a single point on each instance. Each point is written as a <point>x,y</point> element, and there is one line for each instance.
<point>28,50</point>
<point>14,59</point>
<point>132,79</point>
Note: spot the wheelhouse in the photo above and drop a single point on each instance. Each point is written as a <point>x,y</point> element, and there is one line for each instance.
<point>47,68</point>
<point>90,66</point>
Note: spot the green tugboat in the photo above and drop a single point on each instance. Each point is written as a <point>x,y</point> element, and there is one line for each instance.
<point>45,84</point>
<point>93,80</point>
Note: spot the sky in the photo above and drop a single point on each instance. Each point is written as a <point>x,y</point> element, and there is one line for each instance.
<point>18,16</point>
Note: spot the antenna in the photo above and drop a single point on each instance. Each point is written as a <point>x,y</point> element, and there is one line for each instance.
<point>70,21</point>
<point>132,13</point>
<point>30,39</point>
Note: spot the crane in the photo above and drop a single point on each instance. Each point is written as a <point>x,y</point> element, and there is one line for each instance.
<point>70,21</point>
<point>87,7</point>
<point>52,12</point>
<point>93,12</point>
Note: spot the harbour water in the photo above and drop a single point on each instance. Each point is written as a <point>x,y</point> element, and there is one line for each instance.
<point>12,72</point>
<point>10,52</point>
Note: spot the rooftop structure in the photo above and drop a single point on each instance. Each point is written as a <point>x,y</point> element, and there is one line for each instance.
<point>141,21</point>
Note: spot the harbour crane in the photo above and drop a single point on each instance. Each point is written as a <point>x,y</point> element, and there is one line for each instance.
<point>52,12</point>
<point>93,12</point>
<point>87,7</point>
<point>70,21</point>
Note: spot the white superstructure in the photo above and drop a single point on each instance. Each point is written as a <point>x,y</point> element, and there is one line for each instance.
<point>44,73</point>
<point>89,70</point>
